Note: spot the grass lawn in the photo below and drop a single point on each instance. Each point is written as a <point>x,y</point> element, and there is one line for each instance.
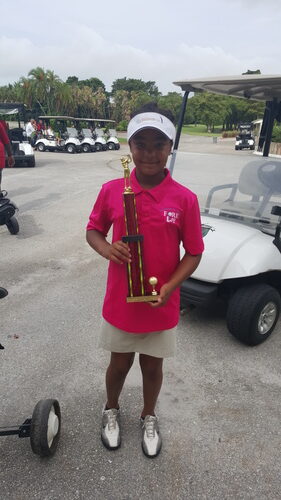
<point>191,130</point>
<point>200,130</point>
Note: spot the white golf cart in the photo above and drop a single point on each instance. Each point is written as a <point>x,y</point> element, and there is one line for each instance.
<point>241,219</point>
<point>22,150</point>
<point>69,139</point>
<point>105,138</point>
<point>245,139</point>
<point>47,140</point>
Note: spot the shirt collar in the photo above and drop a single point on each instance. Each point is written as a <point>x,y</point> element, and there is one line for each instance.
<point>157,192</point>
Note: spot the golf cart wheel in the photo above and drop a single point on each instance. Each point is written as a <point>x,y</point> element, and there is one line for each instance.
<point>70,148</point>
<point>45,427</point>
<point>111,146</point>
<point>13,225</point>
<point>40,147</point>
<point>86,148</point>
<point>31,162</point>
<point>253,312</point>
<point>98,147</point>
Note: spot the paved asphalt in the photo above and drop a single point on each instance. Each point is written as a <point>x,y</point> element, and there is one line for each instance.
<point>220,404</point>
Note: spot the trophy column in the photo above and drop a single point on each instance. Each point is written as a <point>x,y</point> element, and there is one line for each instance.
<point>135,269</point>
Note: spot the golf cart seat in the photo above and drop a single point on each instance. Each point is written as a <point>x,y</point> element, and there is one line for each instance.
<point>17,134</point>
<point>86,132</point>
<point>71,132</point>
<point>257,191</point>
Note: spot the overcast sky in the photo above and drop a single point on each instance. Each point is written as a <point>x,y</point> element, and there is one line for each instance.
<point>157,40</point>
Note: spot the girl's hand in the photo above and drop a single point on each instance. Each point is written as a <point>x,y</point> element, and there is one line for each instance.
<point>11,161</point>
<point>163,297</point>
<point>118,252</point>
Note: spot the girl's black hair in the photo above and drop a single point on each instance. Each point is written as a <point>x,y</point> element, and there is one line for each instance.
<point>152,107</point>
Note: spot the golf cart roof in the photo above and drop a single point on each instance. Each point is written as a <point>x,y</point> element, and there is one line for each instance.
<point>257,87</point>
<point>12,108</point>
<point>48,117</point>
<point>94,120</point>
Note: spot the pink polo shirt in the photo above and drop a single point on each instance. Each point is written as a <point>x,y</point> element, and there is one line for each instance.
<point>168,214</point>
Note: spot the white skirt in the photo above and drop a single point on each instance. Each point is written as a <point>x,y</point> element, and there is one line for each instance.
<point>160,344</point>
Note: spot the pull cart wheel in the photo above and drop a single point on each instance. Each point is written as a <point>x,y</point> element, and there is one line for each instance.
<point>45,427</point>
<point>13,225</point>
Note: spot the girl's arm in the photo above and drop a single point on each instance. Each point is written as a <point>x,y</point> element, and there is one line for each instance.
<point>11,160</point>
<point>186,267</point>
<point>117,252</point>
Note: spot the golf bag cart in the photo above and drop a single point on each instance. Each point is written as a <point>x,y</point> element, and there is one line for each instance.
<point>22,151</point>
<point>7,213</point>
<point>43,428</point>
<point>241,220</point>
<point>245,139</point>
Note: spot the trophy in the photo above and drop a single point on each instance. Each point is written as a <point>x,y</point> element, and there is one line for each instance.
<point>137,285</point>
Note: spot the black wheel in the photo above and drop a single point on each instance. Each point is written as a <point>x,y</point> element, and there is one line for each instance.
<point>40,146</point>
<point>86,148</point>
<point>117,146</point>
<point>3,292</point>
<point>31,162</point>
<point>13,225</point>
<point>111,146</point>
<point>70,148</point>
<point>45,427</point>
<point>98,146</point>
<point>252,148</point>
<point>236,148</point>
<point>253,312</point>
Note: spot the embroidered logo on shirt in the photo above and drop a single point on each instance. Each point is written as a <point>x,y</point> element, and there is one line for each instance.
<point>171,215</point>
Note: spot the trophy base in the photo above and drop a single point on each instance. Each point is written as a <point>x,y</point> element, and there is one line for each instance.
<point>143,298</point>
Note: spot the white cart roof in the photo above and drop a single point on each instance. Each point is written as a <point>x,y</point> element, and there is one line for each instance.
<point>257,87</point>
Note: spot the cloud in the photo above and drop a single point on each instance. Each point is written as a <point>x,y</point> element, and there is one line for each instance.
<point>86,53</point>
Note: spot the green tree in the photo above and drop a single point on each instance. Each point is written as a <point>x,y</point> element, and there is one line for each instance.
<point>171,101</point>
<point>134,85</point>
<point>72,80</point>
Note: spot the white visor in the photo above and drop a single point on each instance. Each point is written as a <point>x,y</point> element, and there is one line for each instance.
<point>151,120</point>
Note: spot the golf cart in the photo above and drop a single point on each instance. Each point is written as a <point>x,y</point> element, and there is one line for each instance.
<point>241,220</point>
<point>85,136</point>
<point>46,140</point>
<point>245,139</point>
<point>22,150</point>
<point>68,140</point>
<point>105,138</point>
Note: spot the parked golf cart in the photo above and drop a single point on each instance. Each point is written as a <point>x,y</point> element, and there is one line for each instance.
<point>43,428</point>
<point>241,221</point>
<point>22,150</point>
<point>46,140</point>
<point>245,139</point>
<point>105,138</point>
<point>85,136</point>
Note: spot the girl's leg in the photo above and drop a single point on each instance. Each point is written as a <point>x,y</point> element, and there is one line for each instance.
<point>152,376</point>
<point>119,366</point>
